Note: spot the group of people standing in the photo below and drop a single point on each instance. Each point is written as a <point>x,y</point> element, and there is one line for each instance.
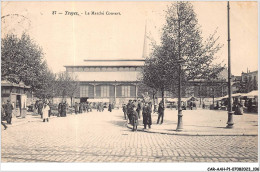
<point>82,107</point>
<point>134,109</point>
<point>62,109</point>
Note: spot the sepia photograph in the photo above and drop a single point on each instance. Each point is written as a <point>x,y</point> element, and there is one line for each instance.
<point>131,83</point>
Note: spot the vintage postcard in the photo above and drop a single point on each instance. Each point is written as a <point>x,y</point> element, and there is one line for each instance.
<point>162,82</point>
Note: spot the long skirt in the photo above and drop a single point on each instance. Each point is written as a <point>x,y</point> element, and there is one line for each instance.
<point>63,113</point>
<point>147,119</point>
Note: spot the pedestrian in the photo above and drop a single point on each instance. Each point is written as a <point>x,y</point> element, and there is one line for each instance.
<point>138,109</point>
<point>134,117</point>
<point>80,107</point>
<point>76,106</point>
<point>160,112</point>
<point>145,114</point>
<point>36,106</point>
<point>129,110</point>
<point>147,110</point>
<point>124,110</point>
<point>8,108</point>
<point>3,117</point>
<point>203,105</point>
<point>110,107</point>
<point>63,109</point>
<point>46,109</point>
<point>90,106</point>
<point>149,114</point>
<point>191,105</point>
<point>97,106</point>
<point>102,106</point>
<point>84,107</point>
<point>40,107</point>
<point>250,105</point>
<point>59,109</point>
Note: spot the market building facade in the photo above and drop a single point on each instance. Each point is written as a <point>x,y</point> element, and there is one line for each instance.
<point>114,80</point>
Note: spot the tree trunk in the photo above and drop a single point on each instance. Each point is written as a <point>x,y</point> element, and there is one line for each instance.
<point>153,97</point>
<point>163,97</point>
<point>71,101</point>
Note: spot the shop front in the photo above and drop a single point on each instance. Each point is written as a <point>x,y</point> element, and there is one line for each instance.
<point>16,93</point>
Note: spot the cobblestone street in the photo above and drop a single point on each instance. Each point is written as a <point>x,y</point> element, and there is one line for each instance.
<point>104,137</point>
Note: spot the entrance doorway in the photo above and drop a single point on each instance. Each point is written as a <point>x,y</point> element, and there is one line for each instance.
<point>83,99</point>
<point>18,104</point>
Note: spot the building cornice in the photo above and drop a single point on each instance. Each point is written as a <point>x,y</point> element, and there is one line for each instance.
<point>113,60</point>
<point>103,66</point>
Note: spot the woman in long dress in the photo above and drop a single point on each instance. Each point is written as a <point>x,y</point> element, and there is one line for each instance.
<point>45,115</point>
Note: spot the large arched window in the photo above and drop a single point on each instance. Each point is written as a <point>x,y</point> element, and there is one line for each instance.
<point>125,91</point>
<point>86,91</point>
<point>105,91</point>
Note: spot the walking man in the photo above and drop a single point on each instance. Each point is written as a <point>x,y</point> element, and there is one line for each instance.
<point>129,110</point>
<point>59,109</point>
<point>110,107</point>
<point>40,107</point>
<point>160,112</point>
<point>8,107</point>
<point>147,110</point>
<point>139,106</point>
<point>63,109</point>
<point>76,108</point>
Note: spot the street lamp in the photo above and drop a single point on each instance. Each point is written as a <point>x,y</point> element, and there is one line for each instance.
<point>180,124</point>
<point>230,122</point>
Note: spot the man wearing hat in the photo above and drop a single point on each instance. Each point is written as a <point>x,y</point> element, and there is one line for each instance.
<point>160,112</point>
<point>8,107</point>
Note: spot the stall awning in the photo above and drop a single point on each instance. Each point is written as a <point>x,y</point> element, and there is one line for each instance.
<point>251,94</point>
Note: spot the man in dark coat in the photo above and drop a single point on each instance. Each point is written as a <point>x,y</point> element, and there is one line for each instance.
<point>36,105</point>
<point>40,107</point>
<point>84,106</point>
<point>160,112</point>
<point>110,107</point>
<point>59,109</point>
<point>8,107</point>
<point>129,110</point>
<point>139,106</point>
<point>149,114</point>
<point>80,107</point>
<point>63,109</point>
<point>76,108</point>
<point>147,110</point>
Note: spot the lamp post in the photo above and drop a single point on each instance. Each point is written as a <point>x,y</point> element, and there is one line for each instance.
<point>179,61</point>
<point>180,124</point>
<point>230,122</point>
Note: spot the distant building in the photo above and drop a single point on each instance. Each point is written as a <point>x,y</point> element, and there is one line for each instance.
<point>249,81</point>
<point>249,76</point>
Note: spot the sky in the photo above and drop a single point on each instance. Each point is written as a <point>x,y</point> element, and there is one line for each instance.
<point>69,39</point>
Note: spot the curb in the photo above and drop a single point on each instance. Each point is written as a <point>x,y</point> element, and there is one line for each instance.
<point>183,134</point>
<point>27,121</point>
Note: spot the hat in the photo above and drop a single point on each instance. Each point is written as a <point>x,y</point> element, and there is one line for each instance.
<point>8,100</point>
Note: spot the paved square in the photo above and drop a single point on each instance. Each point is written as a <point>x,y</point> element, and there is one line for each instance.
<point>104,137</point>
